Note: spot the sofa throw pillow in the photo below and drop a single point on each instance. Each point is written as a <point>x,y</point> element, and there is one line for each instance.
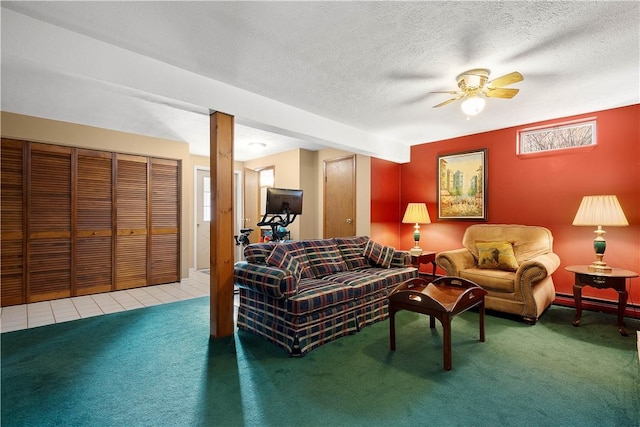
<point>257,253</point>
<point>324,257</point>
<point>283,259</point>
<point>378,254</point>
<point>291,256</point>
<point>401,259</point>
<point>351,249</point>
<point>496,255</point>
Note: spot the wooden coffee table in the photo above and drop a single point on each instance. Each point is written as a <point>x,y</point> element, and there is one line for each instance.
<point>443,299</point>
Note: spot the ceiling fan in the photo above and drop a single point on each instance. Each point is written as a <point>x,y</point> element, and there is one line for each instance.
<point>474,87</point>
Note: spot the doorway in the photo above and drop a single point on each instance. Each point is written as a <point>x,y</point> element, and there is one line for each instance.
<point>203,210</point>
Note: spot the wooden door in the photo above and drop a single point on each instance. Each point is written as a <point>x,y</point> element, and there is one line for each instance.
<point>131,221</point>
<point>165,221</point>
<point>49,222</point>
<point>94,243</point>
<point>12,222</point>
<point>251,203</point>
<point>339,197</point>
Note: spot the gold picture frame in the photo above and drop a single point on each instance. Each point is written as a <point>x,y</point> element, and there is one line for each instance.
<point>462,186</point>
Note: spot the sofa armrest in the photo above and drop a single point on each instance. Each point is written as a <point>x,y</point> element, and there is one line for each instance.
<point>272,281</point>
<point>455,260</point>
<point>537,268</point>
<point>401,259</point>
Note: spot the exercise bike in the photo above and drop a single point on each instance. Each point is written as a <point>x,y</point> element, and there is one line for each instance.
<point>243,237</point>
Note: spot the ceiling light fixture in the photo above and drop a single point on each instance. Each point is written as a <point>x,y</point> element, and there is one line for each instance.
<point>472,105</point>
<point>257,145</point>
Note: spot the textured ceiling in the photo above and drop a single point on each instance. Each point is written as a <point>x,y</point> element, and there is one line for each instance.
<point>350,75</point>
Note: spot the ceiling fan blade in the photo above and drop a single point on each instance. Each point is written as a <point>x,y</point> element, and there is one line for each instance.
<point>452,92</point>
<point>448,101</point>
<point>501,93</point>
<point>505,80</point>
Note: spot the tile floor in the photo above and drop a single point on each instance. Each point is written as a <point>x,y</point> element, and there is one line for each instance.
<point>26,316</point>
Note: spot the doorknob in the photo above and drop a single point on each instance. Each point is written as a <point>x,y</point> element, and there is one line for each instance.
<point>349,221</point>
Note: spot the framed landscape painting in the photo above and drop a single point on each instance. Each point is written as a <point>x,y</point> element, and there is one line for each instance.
<point>462,187</point>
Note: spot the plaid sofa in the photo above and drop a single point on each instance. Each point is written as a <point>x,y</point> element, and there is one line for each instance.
<point>300,295</point>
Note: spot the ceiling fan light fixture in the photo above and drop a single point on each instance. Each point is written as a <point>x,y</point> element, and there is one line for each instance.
<point>472,105</point>
<point>475,86</point>
<point>257,145</point>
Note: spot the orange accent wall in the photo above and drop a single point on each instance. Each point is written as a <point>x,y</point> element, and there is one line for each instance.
<point>385,203</point>
<point>544,190</point>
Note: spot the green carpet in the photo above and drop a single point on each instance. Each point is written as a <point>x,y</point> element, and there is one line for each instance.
<point>156,367</point>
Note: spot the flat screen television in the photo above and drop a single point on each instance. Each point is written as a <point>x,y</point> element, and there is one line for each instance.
<point>283,200</point>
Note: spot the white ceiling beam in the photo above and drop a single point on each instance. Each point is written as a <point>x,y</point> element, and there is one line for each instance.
<point>69,53</point>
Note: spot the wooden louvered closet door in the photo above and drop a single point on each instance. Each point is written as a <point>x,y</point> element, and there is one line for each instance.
<point>131,221</point>
<point>12,225</point>
<point>165,220</point>
<point>49,222</point>
<point>76,221</point>
<point>94,222</point>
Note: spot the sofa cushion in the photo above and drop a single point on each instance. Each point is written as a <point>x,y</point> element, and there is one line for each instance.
<point>496,256</point>
<point>257,253</point>
<point>351,249</point>
<point>393,276</point>
<point>324,257</point>
<point>378,254</point>
<point>316,294</point>
<point>291,256</point>
<point>361,283</point>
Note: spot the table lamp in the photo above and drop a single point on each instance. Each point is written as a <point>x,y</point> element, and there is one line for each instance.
<point>417,214</point>
<point>599,211</point>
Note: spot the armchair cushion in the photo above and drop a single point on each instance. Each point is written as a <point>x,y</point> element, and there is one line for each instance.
<point>496,255</point>
<point>527,241</point>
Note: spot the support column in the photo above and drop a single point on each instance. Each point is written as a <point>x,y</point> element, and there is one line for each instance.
<point>221,258</point>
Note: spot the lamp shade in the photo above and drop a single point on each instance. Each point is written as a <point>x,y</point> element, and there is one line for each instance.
<point>472,105</point>
<point>600,210</point>
<point>416,213</point>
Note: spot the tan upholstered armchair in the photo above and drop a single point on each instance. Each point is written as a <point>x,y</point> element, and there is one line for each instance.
<point>513,263</point>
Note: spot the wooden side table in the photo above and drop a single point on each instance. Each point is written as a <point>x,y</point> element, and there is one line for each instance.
<point>424,258</point>
<point>615,279</point>
<point>443,299</point>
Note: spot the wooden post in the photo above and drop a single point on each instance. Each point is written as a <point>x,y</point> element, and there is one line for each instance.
<point>221,254</point>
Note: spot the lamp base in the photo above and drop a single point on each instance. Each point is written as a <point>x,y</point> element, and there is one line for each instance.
<point>599,267</point>
<point>415,251</point>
